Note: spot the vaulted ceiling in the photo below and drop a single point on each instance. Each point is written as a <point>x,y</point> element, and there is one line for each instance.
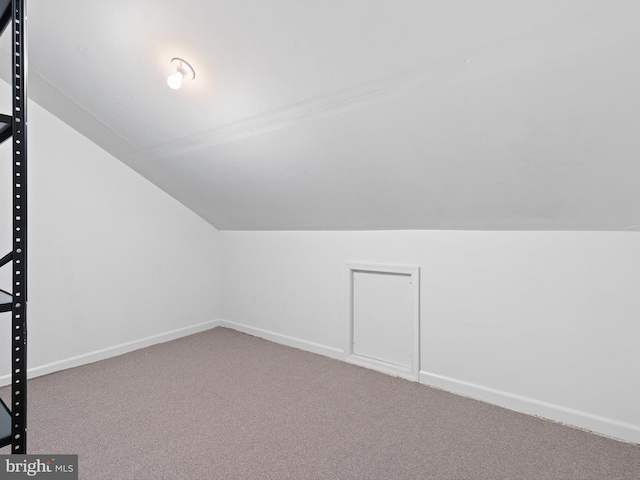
<point>359,114</point>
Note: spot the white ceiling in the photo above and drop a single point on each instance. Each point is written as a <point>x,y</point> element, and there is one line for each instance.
<point>359,114</point>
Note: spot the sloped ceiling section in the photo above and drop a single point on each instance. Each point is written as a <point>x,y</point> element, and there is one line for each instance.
<point>359,114</point>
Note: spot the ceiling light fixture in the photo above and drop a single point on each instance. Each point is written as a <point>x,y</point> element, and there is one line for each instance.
<point>182,70</point>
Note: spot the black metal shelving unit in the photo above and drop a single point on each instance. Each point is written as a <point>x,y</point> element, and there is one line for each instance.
<point>13,421</point>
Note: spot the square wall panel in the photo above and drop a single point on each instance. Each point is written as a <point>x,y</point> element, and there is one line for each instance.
<point>383,321</point>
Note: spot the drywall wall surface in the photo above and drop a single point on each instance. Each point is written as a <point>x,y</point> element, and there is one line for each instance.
<point>113,260</point>
<point>544,322</point>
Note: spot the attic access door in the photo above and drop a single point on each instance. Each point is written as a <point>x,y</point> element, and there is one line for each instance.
<point>383,324</point>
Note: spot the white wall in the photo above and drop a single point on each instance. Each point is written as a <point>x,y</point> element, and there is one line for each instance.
<point>542,322</point>
<point>113,260</point>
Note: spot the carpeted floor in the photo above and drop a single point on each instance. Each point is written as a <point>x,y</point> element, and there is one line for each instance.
<point>225,405</point>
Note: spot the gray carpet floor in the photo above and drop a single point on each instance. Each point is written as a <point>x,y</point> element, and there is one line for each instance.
<point>225,405</point>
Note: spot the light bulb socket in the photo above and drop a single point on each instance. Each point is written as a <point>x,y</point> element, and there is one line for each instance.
<point>183,68</point>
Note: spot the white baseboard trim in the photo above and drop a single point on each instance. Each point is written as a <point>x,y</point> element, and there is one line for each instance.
<point>568,416</point>
<point>587,421</point>
<point>114,351</point>
<point>382,366</point>
<point>313,347</point>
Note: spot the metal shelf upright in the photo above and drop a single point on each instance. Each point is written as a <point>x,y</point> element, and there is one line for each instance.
<point>13,421</point>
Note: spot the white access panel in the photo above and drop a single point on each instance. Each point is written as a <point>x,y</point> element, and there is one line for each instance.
<point>384,318</point>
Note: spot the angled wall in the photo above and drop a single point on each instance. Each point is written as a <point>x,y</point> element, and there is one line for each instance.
<point>115,263</point>
<point>541,322</point>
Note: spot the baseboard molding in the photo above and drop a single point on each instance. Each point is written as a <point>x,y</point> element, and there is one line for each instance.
<point>381,366</point>
<point>285,339</point>
<point>575,418</point>
<point>114,351</point>
<point>600,425</point>
<point>593,423</point>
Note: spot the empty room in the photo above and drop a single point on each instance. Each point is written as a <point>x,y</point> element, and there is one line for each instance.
<point>320,239</point>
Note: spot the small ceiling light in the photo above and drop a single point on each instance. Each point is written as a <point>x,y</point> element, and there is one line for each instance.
<point>183,70</point>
